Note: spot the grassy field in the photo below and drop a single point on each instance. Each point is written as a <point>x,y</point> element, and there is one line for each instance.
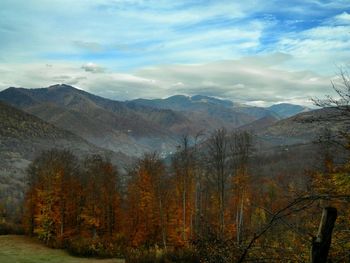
<point>21,249</point>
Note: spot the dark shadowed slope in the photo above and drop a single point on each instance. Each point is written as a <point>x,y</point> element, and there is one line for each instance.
<point>24,136</point>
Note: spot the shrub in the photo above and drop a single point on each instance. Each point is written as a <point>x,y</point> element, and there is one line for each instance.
<point>142,256</point>
<point>214,249</point>
<point>11,229</point>
<point>159,256</point>
<point>99,248</point>
<point>182,256</point>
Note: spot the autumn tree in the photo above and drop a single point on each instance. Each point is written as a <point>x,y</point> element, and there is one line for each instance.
<point>52,195</point>
<point>240,149</point>
<point>101,212</point>
<point>146,203</point>
<point>63,200</point>
<point>290,225</point>
<point>184,177</point>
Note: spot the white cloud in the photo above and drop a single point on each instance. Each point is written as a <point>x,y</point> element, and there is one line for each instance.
<point>341,19</point>
<point>257,80</point>
<point>212,48</point>
<point>93,68</point>
<point>322,48</point>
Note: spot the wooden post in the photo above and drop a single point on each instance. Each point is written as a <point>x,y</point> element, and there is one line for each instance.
<point>321,244</point>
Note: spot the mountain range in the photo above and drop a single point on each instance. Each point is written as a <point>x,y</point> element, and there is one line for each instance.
<point>138,126</point>
<point>61,116</point>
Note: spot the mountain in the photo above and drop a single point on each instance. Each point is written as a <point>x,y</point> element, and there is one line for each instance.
<point>185,103</point>
<point>304,127</point>
<point>138,126</point>
<point>257,112</point>
<point>131,127</point>
<point>292,146</point>
<point>215,101</point>
<point>24,136</point>
<point>220,112</point>
<point>285,110</point>
<point>106,123</point>
<point>260,124</point>
<point>122,129</point>
<point>207,112</point>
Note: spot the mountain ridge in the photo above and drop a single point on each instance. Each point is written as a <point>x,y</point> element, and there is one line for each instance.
<point>133,127</point>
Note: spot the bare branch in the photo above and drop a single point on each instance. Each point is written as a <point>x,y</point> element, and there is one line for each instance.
<point>285,212</point>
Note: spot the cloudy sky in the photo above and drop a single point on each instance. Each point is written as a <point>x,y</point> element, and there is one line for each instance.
<point>255,51</point>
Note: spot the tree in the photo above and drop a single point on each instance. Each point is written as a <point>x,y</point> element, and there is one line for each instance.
<point>218,172</point>
<point>146,196</point>
<point>52,194</point>
<point>340,105</point>
<point>240,152</point>
<point>101,199</point>
<point>183,164</point>
<point>334,179</point>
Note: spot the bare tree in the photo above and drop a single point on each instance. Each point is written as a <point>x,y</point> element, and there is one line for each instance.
<point>185,166</point>
<point>341,103</point>
<point>218,165</point>
<point>339,106</point>
<point>297,205</point>
<point>240,151</point>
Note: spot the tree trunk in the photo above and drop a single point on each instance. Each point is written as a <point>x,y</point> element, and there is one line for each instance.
<point>184,208</point>
<point>239,219</point>
<point>163,224</point>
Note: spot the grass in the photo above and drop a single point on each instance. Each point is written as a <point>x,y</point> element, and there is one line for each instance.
<point>22,249</point>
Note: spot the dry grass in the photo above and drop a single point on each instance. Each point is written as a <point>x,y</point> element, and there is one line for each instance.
<point>21,249</point>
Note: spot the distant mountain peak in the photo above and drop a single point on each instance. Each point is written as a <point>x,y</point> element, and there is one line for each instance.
<point>61,87</point>
<point>185,99</point>
<point>213,100</point>
<point>178,98</point>
<point>58,86</point>
<point>286,110</point>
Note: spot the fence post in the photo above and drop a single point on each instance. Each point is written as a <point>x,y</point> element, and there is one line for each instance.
<point>321,244</point>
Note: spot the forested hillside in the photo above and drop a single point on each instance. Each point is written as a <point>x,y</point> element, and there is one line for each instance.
<point>210,205</point>
<point>22,138</point>
<point>236,195</point>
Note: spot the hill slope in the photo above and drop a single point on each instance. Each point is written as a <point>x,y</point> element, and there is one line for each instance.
<point>105,123</point>
<point>260,124</point>
<point>24,136</point>
<point>304,127</point>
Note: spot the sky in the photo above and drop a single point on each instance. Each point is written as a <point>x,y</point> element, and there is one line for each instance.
<point>254,51</point>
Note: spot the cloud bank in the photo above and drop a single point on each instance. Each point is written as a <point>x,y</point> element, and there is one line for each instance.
<point>253,80</point>
<point>257,51</point>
